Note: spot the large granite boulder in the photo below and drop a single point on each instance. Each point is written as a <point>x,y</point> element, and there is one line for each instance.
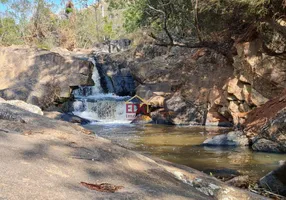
<point>235,138</point>
<point>184,112</point>
<point>262,144</point>
<point>275,181</point>
<point>41,77</point>
<point>266,126</point>
<point>160,116</point>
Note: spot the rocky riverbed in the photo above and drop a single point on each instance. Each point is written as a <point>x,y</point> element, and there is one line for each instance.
<point>43,158</point>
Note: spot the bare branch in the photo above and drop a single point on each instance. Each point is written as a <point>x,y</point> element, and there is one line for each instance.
<point>165,18</point>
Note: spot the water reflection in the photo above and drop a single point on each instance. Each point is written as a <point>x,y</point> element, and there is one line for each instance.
<point>183,145</point>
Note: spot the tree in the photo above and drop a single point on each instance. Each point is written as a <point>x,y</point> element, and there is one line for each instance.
<point>9,32</point>
<point>203,23</point>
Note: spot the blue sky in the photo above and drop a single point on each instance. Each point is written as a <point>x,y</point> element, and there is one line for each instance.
<point>59,4</point>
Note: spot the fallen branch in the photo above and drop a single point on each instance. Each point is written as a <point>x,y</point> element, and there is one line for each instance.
<point>103,187</point>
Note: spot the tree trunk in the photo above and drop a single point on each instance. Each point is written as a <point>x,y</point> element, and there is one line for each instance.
<point>197,21</point>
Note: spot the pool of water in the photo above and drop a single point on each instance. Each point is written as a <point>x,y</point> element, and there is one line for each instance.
<point>182,145</point>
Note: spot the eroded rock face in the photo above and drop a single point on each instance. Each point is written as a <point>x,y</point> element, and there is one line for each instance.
<point>266,126</point>
<point>190,80</point>
<point>115,76</point>
<point>40,77</point>
<point>275,133</point>
<point>264,72</point>
<point>202,87</point>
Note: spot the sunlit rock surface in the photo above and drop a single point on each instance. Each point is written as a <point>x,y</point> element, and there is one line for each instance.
<point>40,77</point>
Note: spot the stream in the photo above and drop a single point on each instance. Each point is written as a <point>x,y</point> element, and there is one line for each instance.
<point>182,145</point>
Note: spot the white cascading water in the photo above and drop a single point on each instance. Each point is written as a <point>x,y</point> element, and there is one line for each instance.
<point>92,104</point>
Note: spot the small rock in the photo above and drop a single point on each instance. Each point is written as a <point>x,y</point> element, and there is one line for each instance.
<point>214,118</point>
<point>239,181</point>
<point>243,79</point>
<point>223,174</point>
<point>157,101</point>
<point>265,145</point>
<point>161,117</point>
<point>235,87</point>
<point>234,138</point>
<point>234,106</point>
<point>257,99</point>
<point>142,119</point>
<point>282,162</point>
<point>244,107</point>
<point>103,187</point>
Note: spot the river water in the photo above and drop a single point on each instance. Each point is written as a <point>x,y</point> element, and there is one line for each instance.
<point>182,145</point>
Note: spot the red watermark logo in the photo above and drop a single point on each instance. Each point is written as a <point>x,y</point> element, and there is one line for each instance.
<point>133,109</point>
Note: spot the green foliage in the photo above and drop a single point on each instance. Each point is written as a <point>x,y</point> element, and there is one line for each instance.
<point>33,21</point>
<point>86,28</point>
<point>214,16</point>
<point>69,10</point>
<point>133,16</point>
<point>108,28</point>
<point>9,32</point>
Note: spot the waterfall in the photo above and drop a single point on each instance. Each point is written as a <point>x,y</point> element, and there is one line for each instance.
<point>85,91</point>
<point>93,104</point>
